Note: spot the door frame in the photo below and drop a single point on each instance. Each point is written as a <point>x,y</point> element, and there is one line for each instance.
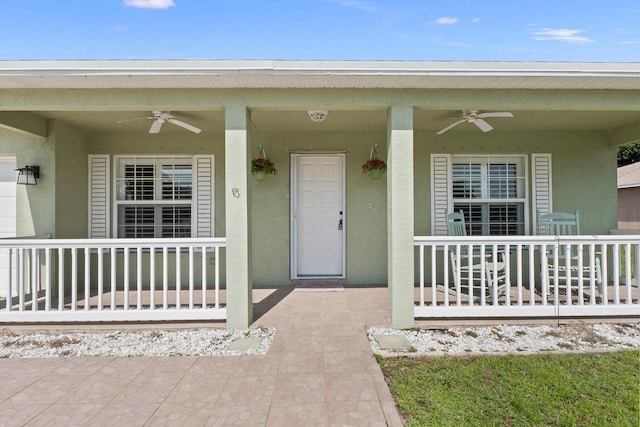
<point>293,258</point>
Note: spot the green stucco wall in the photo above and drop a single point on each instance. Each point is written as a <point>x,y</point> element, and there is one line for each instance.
<point>365,215</point>
<point>71,187</point>
<point>168,143</point>
<point>580,160</point>
<point>365,220</point>
<point>583,170</point>
<point>35,210</point>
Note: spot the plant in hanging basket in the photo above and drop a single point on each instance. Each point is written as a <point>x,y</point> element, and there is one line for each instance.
<point>262,164</point>
<point>374,164</point>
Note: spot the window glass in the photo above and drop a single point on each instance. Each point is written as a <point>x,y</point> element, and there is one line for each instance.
<point>490,191</point>
<point>154,197</point>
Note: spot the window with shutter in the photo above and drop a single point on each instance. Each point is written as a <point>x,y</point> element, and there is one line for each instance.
<point>491,191</point>
<point>155,196</point>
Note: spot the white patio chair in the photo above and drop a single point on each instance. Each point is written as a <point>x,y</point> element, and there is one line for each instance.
<point>566,224</point>
<point>460,265</point>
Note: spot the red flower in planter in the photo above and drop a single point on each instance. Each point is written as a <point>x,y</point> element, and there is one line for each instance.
<point>373,164</point>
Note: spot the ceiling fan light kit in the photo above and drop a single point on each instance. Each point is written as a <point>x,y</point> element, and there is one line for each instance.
<point>317,115</point>
<point>477,118</point>
<point>161,117</point>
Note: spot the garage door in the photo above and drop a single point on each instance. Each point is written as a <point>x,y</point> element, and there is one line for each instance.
<point>7,214</point>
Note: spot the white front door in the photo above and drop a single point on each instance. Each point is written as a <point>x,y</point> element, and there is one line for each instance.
<point>318,215</point>
<point>7,215</point>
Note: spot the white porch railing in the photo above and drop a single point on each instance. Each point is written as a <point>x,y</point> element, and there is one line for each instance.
<point>110,280</point>
<point>531,289</point>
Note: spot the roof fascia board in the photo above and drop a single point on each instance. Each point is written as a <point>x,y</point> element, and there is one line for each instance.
<point>352,68</point>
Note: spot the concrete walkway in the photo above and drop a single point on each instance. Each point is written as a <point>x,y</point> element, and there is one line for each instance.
<point>320,371</point>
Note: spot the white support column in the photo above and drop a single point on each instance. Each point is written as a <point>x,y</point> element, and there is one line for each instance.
<point>238,218</point>
<point>400,227</point>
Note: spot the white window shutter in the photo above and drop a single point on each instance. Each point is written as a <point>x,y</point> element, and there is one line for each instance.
<point>541,185</point>
<point>203,196</point>
<point>99,184</point>
<point>440,193</point>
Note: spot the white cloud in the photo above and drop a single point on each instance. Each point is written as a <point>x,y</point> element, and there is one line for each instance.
<point>631,42</point>
<point>149,4</point>
<point>475,20</point>
<point>561,34</point>
<point>447,20</point>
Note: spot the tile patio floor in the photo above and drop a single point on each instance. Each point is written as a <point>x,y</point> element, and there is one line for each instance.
<point>320,371</point>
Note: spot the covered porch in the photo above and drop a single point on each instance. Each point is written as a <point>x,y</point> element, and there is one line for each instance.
<point>74,120</point>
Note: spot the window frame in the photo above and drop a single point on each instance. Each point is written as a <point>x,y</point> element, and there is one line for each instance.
<point>485,161</point>
<point>522,177</point>
<point>119,164</point>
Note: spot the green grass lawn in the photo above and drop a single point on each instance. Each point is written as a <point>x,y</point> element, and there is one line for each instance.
<point>539,390</point>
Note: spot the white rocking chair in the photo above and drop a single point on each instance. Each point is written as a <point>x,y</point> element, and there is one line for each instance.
<point>566,224</point>
<point>465,266</point>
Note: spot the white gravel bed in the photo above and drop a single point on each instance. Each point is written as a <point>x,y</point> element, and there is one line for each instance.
<point>201,342</point>
<point>513,339</point>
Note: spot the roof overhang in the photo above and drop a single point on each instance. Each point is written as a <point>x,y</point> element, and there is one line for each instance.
<point>254,74</point>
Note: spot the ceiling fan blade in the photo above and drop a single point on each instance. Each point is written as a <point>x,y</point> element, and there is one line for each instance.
<point>184,125</point>
<point>498,114</point>
<point>156,125</point>
<point>484,126</point>
<point>137,118</point>
<point>451,126</point>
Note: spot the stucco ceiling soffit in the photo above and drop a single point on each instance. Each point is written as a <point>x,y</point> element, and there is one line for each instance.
<point>625,134</point>
<point>24,122</point>
<point>572,100</point>
<point>112,100</point>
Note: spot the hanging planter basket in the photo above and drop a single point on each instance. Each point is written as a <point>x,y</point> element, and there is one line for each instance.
<point>262,166</point>
<point>374,167</point>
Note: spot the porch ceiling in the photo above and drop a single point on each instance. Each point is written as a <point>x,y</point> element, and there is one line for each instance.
<point>600,96</point>
<point>348,120</point>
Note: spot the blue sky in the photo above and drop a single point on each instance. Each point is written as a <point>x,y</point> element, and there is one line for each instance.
<point>459,30</point>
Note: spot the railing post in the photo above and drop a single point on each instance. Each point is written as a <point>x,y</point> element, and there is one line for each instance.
<point>113,278</point>
<point>74,278</point>
<point>190,266</point>
<point>100,260</point>
<point>434,276</point>
<point>204,276</point>
<point>152,278</point>
<point>61,279</point>
<point>165,278</point>
<point>20,274</point>
<point>139,278</point>
<point>87,279</point>
<point>125,279</point>
<point>47,279</point>
<point>421,251</point>
<point>178,286</point>
<point>616,273</point>
<point>34,279</point>
<point>605,278</point>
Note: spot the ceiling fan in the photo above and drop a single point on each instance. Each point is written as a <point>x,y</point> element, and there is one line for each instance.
<point>159,118</point>
<point>477,118</point>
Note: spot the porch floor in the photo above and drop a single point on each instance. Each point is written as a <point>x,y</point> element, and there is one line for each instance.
<point>320,370</point>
